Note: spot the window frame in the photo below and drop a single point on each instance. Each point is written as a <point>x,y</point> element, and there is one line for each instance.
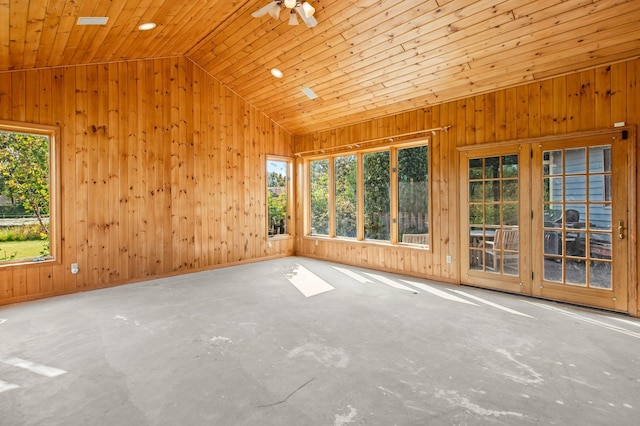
<point>55,229</point>
<point>289,223</point>
<point>393,181</point>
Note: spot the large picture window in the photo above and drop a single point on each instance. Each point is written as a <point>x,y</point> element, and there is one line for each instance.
<point>26,194</point>
<point>393,206</point>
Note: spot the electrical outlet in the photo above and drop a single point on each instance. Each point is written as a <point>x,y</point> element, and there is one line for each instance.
<point>74,268</point>
<point>448,258</point>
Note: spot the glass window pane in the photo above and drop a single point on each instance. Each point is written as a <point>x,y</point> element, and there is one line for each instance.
<point>552,190</point>
<point>553,269</point>
<point>492,214</point>
<point>552,163</point>
<point>553,215</point>
<point>576,188</point>
<point>510,214</point>
<point>413,194</point>
<point>24,184</point>
<point>475,214</point>
<point>510,190</point>
<point>346,196</point>
<point>492,190</point>
<point>600,217</point>
<point>600,275</point>
<point>319,177</point>
<point>475,191</point>
<point>510,166</point>
<point>492,167</point>
<point>377,210</point>
<point>575,161</point>
<point>575,215</point>
<point>576,272</point>
<point>277,196</point>
<point>475,168</point>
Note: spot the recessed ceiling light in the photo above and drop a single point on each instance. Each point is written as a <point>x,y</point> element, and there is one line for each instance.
<point>310,93</point>
<point>147,26</point>
<point>276,73</point>
<point>92,20</point>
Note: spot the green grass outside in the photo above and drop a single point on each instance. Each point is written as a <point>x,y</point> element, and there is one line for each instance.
<point>21,250</point>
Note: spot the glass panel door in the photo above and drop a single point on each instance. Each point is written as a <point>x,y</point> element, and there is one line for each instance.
<point>580,189</point>
<point>493,213</point>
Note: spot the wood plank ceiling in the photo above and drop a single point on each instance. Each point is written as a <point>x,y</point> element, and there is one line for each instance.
<point>365,59</point>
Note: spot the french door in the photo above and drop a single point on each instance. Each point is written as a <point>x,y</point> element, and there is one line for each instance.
<point>550,219</point>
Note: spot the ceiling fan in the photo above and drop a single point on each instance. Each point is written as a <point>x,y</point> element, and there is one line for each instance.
<point>304,9</point>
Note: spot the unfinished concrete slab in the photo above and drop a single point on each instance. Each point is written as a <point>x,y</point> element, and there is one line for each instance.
<point>297,341</point>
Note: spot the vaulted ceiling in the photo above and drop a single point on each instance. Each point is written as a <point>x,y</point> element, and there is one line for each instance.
<point>365,59</point>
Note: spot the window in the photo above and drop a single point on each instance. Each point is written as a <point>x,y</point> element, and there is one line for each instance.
<point>26,194</point>
<point>413,194</point>
<point>346,195</point>
<point>278,199</point>
<point>380,195</point>
<point>319,182</point>
<point>377,199</point>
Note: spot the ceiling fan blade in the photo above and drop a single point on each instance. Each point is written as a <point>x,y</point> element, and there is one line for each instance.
<point>310,21</point>
<point>267,9</point>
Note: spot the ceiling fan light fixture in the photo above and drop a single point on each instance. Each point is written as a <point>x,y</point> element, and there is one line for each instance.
<point>304,9</point>
<point>293,19</point>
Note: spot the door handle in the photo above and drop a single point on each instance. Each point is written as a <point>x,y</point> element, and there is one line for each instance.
<point>621,230</point>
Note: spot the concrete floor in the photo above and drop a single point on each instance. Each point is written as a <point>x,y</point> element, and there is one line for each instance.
<point>243,346</point>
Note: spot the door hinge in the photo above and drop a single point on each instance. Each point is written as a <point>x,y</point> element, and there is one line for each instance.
<point>531,214</point>
<point>532,276</point>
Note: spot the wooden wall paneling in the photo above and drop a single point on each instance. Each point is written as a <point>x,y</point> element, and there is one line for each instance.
<point>81,184</point>
<point>177,249</point>
<point>560,105</point>
<point>31,97</point>
<point>480,117</point>
<point>546,108</point>
<point>92,165</point>
<point>124,244</point>
<point>618,93</point>
<point>534,109</point>
<point>5,94</point>
<point>102,185</point>
<point>501,115</point>
<point>217,164</point>
<point>187,69</point>
<point>46,279</point>
<point>18,110</point>
<point>65,91</point>
<point>198,171</point>
<point>603,97</point>
<point>144,165</point>
<point>573,102</point>
<point>633,117</point>
<point>490,117</point>
<point>20,283</point>
<point>587,100</point>
<point>155,169</point>
<point>522,111</point>
<point>32,281</point>
<point>113,175</point>
<point>133,152</point>
<point>6,284</point>
<point>511,101</point>
<point>165,67</point>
